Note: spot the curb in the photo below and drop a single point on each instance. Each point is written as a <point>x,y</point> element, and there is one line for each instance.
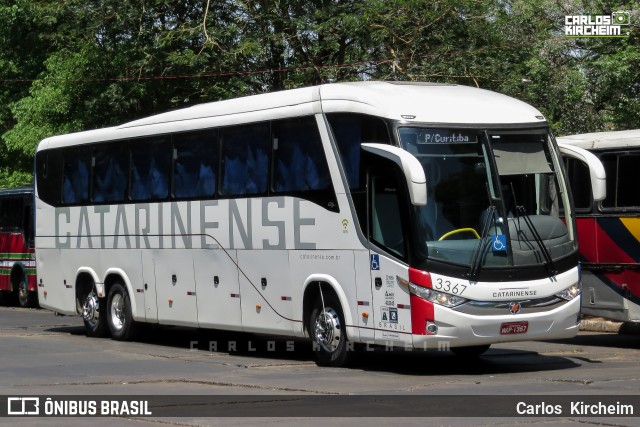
<point>599,324</point>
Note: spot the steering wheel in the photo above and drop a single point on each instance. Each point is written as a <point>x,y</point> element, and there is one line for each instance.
<point>459,230</point>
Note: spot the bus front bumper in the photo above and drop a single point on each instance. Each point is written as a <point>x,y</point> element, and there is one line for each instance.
<point>455,329</point>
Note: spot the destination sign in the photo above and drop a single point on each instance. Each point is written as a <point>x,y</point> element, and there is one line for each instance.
<point>446,136</point>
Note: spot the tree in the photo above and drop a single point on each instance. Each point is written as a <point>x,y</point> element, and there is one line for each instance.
<point>76,65</point>
<point>26,39</point>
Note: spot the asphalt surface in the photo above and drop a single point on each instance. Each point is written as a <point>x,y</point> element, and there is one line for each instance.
<point>49,355</point>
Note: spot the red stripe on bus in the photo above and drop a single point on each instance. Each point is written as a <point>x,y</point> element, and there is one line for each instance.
<point>421,312</point>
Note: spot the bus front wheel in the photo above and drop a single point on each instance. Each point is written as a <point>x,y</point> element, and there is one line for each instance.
<point>119,317</point>
<point>328,332</point>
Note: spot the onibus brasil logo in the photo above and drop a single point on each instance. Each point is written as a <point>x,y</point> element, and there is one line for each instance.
<point>614,25</point>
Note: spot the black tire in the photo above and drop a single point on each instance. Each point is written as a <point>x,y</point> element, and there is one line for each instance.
<point>470,352</point>
<point>119,317</point>
<point>26,298</point>
<point>94,314</point>
<point>328,332</point>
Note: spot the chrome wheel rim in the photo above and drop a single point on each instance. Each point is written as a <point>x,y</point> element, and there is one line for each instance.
<point>327,330</point>
<point>90,310</point>
<point>117,311</point>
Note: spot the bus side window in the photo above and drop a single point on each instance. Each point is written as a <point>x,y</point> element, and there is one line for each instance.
<point>49,176</point>
<point>75,186</point>
<point>150,168</point>
<point>11,213</point>
<point>627,191</point>
<point>110,167</point>
<point>299,161</point>
<point>386,215</point>
<point>195,166</point>
<point>621,185</point>
<point>245,159</point>
<point>351,130</point>
<point>578,174</point>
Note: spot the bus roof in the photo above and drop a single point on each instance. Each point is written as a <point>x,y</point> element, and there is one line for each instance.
<point>433,103</point>
<point>428,102</point>
<point>604,140</point>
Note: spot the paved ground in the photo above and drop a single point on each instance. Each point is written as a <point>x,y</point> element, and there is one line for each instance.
<point>44,354</point>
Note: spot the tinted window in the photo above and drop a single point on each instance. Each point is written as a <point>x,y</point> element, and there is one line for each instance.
<point>195,164</point>
<point>150,169</point>
<point>580,182</point>
<point>110,172</point>
<point>75,187</point>
<point>299,162</point>
<point>49,167</point>
<point>627,189</point>
<point>386,215</point>
<point>245,159</point>
<point>621,173</point>
<point>351,130</point>
<point>11,213</point>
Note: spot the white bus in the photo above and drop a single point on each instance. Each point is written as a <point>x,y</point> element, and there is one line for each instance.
<point>609,229</point>
<point>399,214</point>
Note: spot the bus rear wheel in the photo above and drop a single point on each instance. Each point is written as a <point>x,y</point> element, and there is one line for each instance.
<point>328,332</point>
<point>94,314</point>
<point>119,317</point>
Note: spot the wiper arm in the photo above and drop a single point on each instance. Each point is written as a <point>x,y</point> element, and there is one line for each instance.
<point>482,247</point>
<point>534,232</point>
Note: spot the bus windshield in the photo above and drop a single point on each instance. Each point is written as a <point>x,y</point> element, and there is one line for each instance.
<point>494,198</point>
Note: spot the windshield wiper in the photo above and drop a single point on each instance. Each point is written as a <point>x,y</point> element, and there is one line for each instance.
<point>534,232</point>
<point>482,246</point>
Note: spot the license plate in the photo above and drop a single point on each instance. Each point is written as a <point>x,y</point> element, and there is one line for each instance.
<point>514,328</point>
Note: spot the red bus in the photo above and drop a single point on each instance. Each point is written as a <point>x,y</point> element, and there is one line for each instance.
<point>17,254</point>
<point>608,230</point>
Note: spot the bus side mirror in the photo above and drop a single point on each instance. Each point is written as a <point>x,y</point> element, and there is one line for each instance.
<point>596,169</point>
<point>411,167</point>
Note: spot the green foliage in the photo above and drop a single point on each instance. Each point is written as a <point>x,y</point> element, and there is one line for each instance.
<point>77,65</point>
<point>614,76</point>
<point>24,46</point>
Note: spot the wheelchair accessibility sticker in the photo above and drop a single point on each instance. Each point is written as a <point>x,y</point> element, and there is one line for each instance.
<point>375,262</point>
<point>499,243</point>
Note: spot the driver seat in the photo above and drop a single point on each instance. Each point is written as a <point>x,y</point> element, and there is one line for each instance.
<point>434,220</point>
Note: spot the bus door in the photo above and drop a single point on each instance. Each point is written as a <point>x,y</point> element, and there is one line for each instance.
<point>391,309</point>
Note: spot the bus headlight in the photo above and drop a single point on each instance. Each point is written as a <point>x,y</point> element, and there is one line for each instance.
<point>570,293</point>
<point>440,298</point>
<point>419,291</point>
<point>449,300</point>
